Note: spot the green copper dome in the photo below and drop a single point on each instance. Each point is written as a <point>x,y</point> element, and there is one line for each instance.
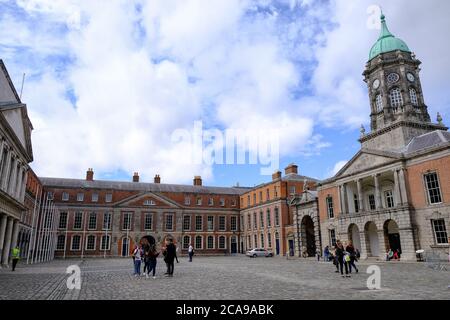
<point>387,42</point>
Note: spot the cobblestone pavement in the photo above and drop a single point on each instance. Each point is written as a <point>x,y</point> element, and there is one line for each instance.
<point>223,278</point>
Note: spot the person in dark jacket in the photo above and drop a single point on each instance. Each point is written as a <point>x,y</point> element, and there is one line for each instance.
<point>170,253</point>
<point>152,255</point>
<point>340,253</point>
<point>351,250</point>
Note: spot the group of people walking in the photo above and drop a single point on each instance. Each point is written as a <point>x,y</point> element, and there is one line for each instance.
<point>148,254</point>
<point>343,257</point>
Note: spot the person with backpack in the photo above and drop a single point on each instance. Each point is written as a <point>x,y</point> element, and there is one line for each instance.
<point>137,257</point>
<point>351,250</point>
<point>340,254</point>
<point>190,252</point>
<point>152,255</point>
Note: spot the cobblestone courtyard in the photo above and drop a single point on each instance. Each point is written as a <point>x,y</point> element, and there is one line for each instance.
<point>223,278</point>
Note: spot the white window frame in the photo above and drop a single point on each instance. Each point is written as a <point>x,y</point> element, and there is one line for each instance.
<point>108,197</point>
<point>149,202</point>
<point>222,202</point>
<point>80,196</point>
<point>201,218</point>
<point>108,243</point>
<point>330,207</point>
<point>396,98</point>
<point>186,243</point>
<point>433,226</point>
<point>61,215</point>
<point>235,228</point>
<point>184,222</point>
<point>79,243</point>
<point>92,214</point>
<point>87,242</point>
<point>224,243</point>
<point>427,189</point>
<point>109,221</point>
<point>146,215</point>
<point>65,196</point>
<point>130,215</point>
<point>224,223</point>
<point>58,243</point>
<point>201,243</point>
<point>80,214</point>
<point>213,243</point>
<point>94,197</point>
<point>379,103</point>
<point>213,223</point>
<point>167,215</point>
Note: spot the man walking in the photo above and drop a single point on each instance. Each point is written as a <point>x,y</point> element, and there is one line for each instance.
<point>190,252</point>
<point>15,254</point>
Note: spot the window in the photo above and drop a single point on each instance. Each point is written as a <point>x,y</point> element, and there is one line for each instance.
<point>198,242</point>
<point>222,202</point>
<point>262,241</point>
<point>187,202</point>
<point>440,232</point>
<point>78,221</point>
<point>413,96</point>
<point>233,202</point>
<point>76,241</point>
<point>269,220</point>
<point>292,190</point>
<point>332,235</point>
<point>62,220</point>
<point>108,197</point>
<point>249,222</point>
<point>80,197</point>
<point>148,223</point>
<point>95,197</point>
<point>107,221</point>
<point>267,195</point>
<point>210,242</point>
<point>396,99</point>
<point>356,202</point>
<point>222,243</point>
<point>260,197</point>
<point>275,192</point>
<point>210,201</point>
<point>90,243</point>
<point>169,222</point>
<point>149,202</point>
<point>105,243</point>
<point>187,223</point>
<point>432,185</point>
<point>233,223</point>
<point>248,200</point>
<point>65,196</point>
<point>50,195</point>
<point>126,223</point>
<point>61,243</point>
<point>261,219</point>
<point>92,221</point>
<point>222,223</point>
<point>255,225</point>
<point>277,217</point>
<point>198,223</point>
<point>254,198</point>
<point>210,223</point>
<point>389,197</point>
<point>186,242</point>
<point>269,241</point>
<point>379,103</point>
<point>330,208</point>
<point>255,243</point>
<point>199,201</point>
<point>372,205</point>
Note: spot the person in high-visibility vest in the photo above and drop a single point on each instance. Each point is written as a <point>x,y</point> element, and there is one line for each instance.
<point>15,254</point>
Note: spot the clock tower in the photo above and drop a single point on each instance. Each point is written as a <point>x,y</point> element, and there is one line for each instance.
<point>398,109</point>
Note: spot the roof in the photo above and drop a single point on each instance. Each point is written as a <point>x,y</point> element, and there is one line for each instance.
<point>139,186</point>
<point>297,177</point>
<point>427,141</point>
<point>387,42</point>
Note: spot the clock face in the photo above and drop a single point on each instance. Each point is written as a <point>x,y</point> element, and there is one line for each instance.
<point>410,77</point>
<point>376,84</point>
<point>393,78</point>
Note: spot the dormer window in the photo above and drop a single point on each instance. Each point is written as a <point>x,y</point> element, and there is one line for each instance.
<point>396,99</point>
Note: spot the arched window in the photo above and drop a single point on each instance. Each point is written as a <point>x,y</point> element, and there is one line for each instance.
<point>379,103</point>
<point>76,241</point>
<point>222,242</point>
<point>413,96</point>
<point>198,242</point>
<point>396,99</point>
<point>210,242</point>
<point>186,242</point>
<point>90,243</point>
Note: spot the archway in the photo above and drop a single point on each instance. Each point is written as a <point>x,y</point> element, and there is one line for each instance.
<point>392,236</point>
<point>373,245</point>
<point>353,235</point>
<point>308,236</point>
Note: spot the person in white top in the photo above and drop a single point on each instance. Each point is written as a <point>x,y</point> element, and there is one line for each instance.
<point>137,256</point>
<point>190,252</point>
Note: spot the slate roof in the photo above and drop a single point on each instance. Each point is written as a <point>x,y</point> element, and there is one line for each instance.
<point>139,186</point>
<point>427,141</point>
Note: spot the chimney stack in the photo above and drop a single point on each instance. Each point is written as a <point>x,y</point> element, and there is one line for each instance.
<point>136,177</point>
<point>276,176</point>
<point>90,175</point>
<point>197,181</point>
<point>292,168</point>
<point>157,179</point>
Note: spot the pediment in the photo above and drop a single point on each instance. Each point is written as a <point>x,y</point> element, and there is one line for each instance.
<point>8,94</point>
<point>365,160</point>
<point>148,200</point>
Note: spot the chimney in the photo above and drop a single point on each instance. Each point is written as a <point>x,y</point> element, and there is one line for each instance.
<point>157,179</point>
<point>292,168</point>
<point>276,175</point>
<point>136,177</point>
<point>197,181</point>
<point>90,175</point>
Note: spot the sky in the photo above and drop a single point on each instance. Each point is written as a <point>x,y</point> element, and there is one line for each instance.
<point>119,86</point>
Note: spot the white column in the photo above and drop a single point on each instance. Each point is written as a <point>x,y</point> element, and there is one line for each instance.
<point>15,234</point>
<point>5,173</point>
<point>12,183</point>
<point>7,244</point>
<point>377,192</point>
<point>342,199</point>
<point>24,185</point>
<point>397,195</point>
<point>403,191</point>
<point>3,223</point>
<point>18,186</point>
<point>2,146</point>
<point>360,195</point>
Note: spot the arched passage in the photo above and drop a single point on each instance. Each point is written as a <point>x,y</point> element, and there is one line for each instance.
<point>353,235</point>
<point>308,237</point>
<point>392,236</point>
<point>373,245</point>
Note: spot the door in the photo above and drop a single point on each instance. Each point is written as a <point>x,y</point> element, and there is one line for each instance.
<point>233,245</point>
<point>125,247</point>
<point>394,242</point>
<point>277,246</point>
<point>291,248</point>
